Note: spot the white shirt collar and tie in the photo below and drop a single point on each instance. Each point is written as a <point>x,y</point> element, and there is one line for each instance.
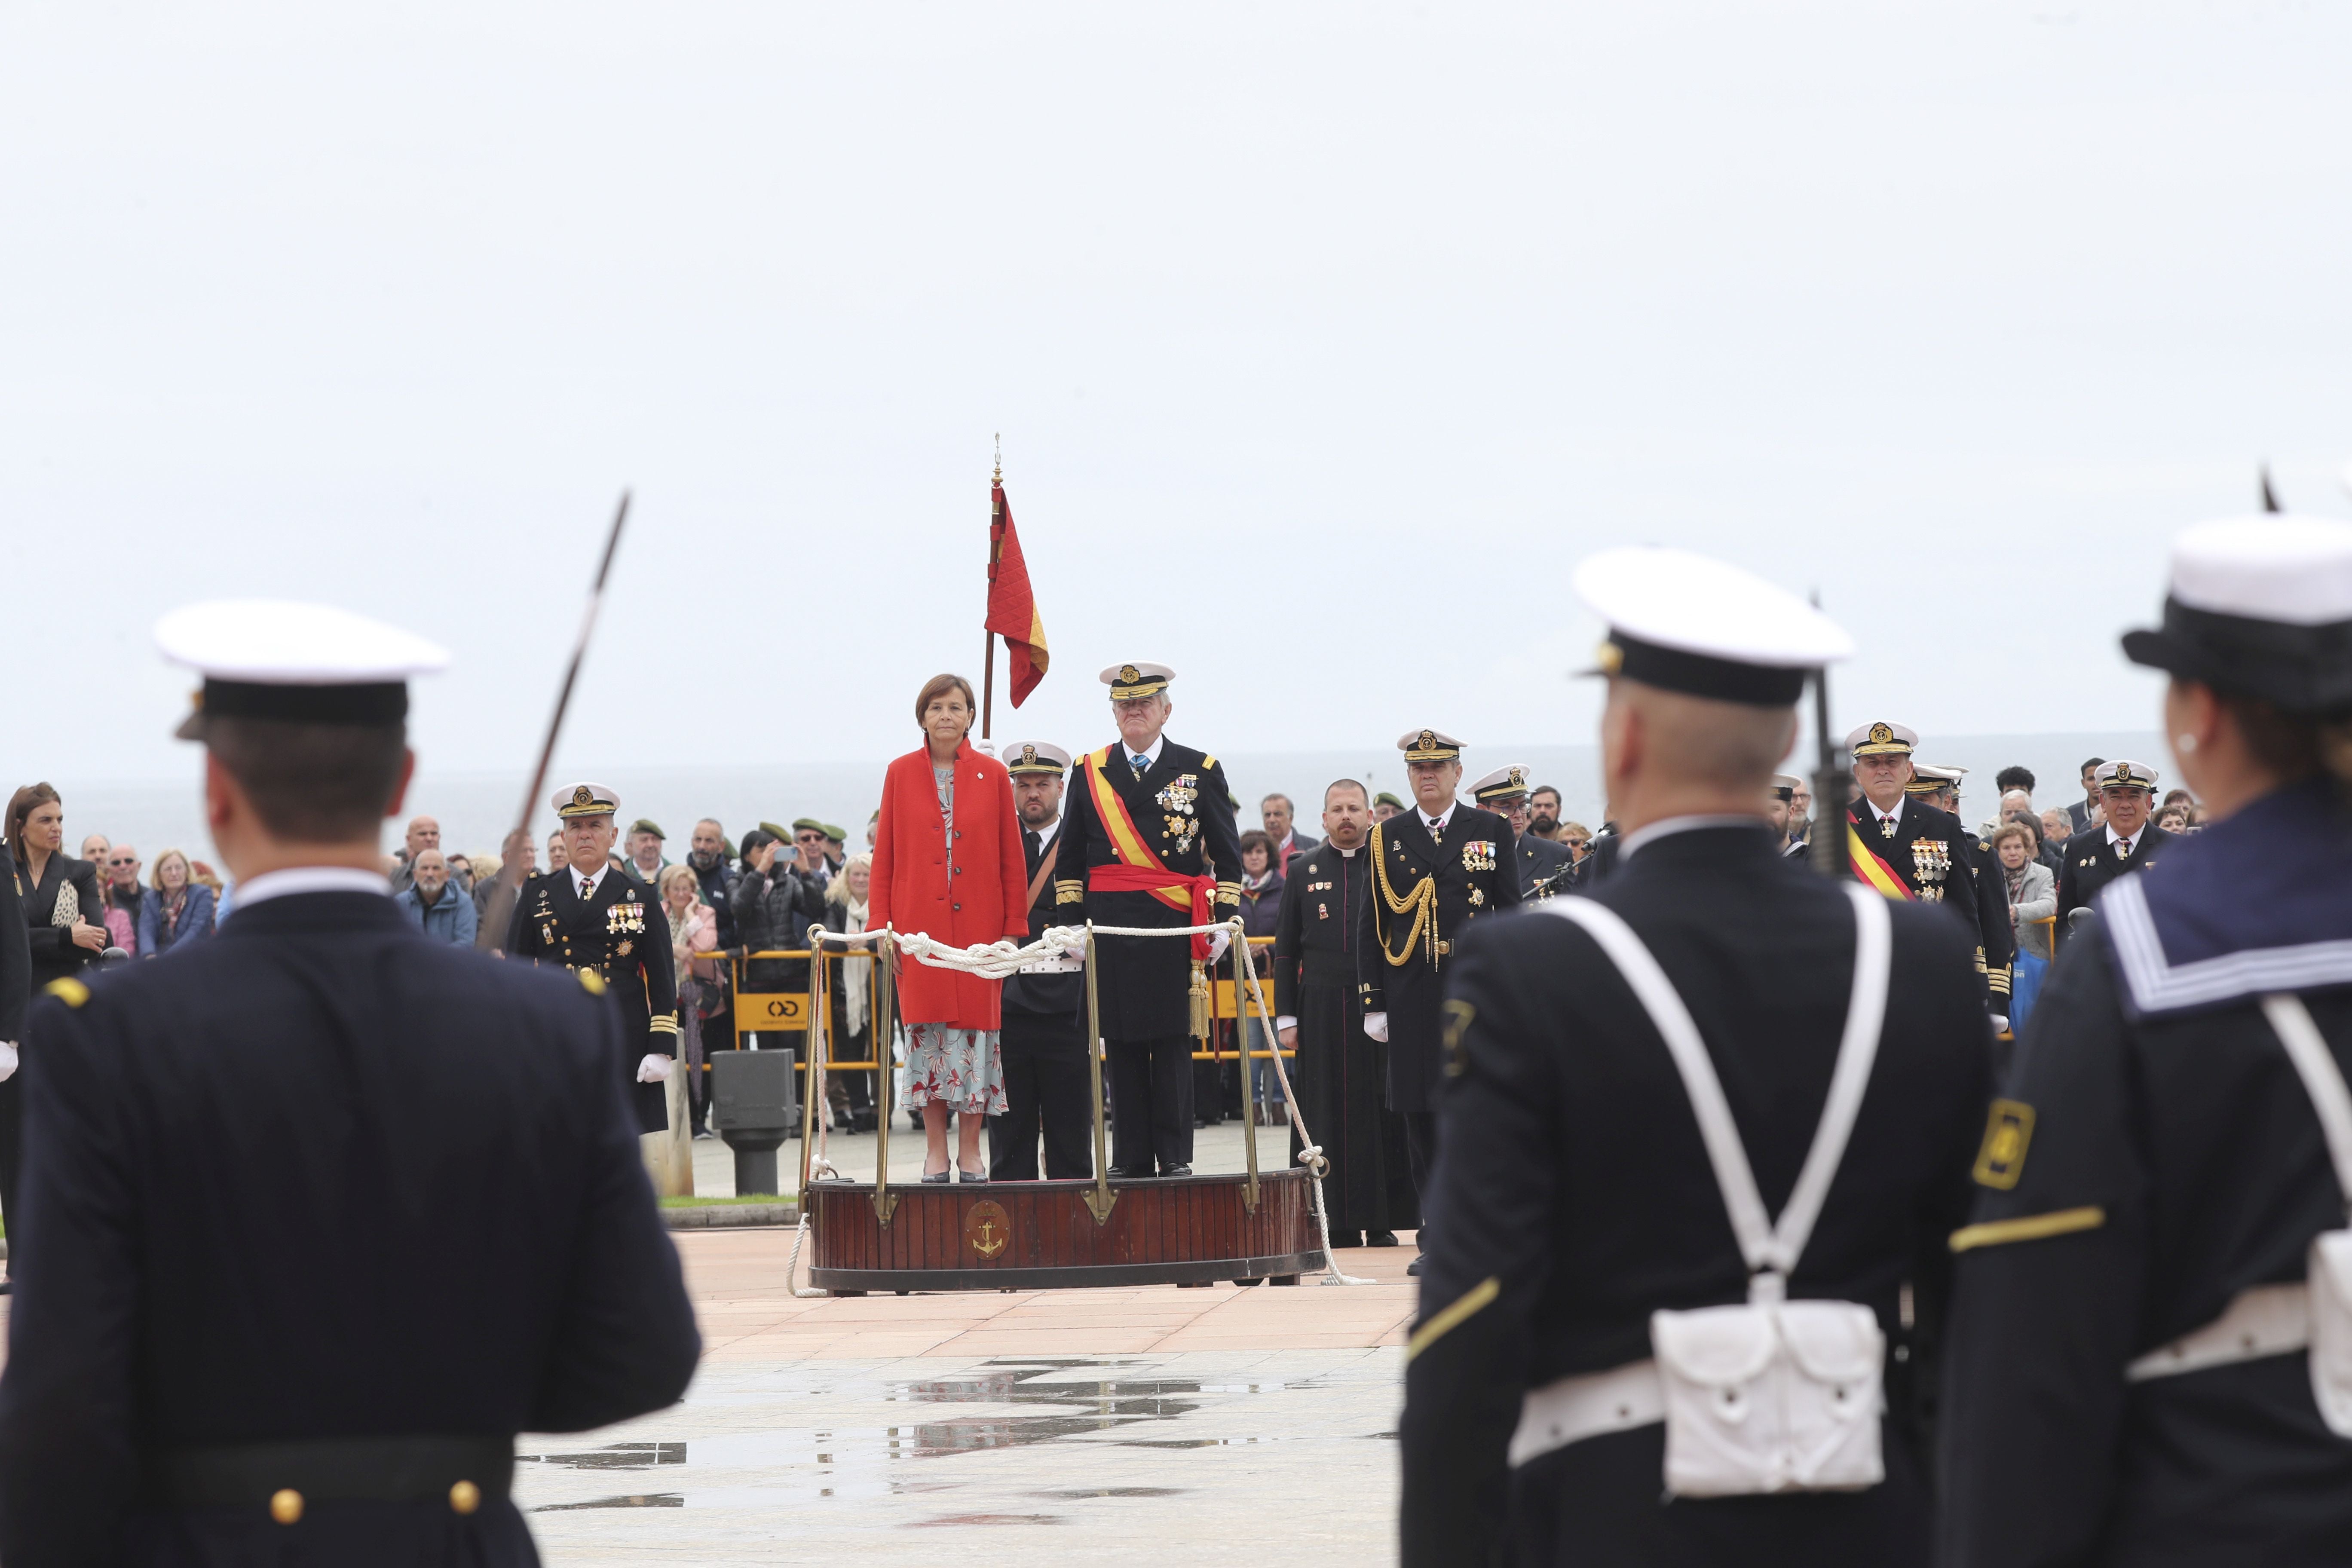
<point>2126,847</point>
<point>1436,825</point>
<point>1043,836</point>
<point>1146,758</point>
<point>585,885</point>
<point>1894,816</point>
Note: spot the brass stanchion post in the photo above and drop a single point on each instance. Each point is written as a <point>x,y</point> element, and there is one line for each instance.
<point>1243,964</point>
<point>1099,1200</point>
<point>886,1096</point>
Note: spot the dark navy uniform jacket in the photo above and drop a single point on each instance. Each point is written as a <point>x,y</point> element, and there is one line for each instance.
<point>1930,849</point>
<point>623,936</point>
<point>315,1177</point>
<point>1047,995</point>
<point>2091,862</point>
<point>1182,811</point>
<point>1541,860</point>
<point>1475,876</point>
<point>2155,1154</point>
<point>1580,1199</point>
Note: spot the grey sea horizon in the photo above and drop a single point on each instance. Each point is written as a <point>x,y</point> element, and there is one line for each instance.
<point>476,809</point>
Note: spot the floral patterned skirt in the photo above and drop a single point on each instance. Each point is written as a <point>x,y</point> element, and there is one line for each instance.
<point>962,1069</point>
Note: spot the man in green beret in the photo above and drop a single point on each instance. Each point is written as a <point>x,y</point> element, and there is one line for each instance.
<point>644,852</point>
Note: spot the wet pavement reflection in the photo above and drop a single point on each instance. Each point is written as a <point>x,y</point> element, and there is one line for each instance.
<point>926,1444</point>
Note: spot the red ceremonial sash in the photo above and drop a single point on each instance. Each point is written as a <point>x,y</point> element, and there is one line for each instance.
<point>1872,871</point>
<point>1140,870</point>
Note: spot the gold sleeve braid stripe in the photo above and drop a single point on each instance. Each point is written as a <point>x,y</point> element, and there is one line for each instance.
<point>1468,1305</point>
<point>2033,1228</point>
<point>665,1024</point>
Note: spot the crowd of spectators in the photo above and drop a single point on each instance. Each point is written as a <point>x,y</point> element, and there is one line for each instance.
<point>763,891</point>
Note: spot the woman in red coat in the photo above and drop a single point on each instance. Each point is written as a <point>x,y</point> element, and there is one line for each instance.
<point>948,863</point>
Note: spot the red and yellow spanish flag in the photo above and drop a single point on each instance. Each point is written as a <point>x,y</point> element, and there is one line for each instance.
<point>1011,605</point>
<point>1872,871</point>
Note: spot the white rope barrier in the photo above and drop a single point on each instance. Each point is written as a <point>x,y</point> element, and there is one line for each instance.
<point>1000,959</point>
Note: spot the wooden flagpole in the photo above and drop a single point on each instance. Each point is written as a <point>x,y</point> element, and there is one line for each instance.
<point>996,545</point>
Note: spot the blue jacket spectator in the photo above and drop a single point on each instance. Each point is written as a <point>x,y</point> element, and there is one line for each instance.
<point>179,910</point>
<point>435,906</point>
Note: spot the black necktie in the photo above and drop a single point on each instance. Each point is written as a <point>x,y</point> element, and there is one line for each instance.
<point>1031,845</point>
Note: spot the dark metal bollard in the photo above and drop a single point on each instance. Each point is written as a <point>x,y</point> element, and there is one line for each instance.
<point>752,1108</point>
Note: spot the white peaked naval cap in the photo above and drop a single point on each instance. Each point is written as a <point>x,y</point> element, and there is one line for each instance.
<point>1689,623</point>
<point>312,664</point>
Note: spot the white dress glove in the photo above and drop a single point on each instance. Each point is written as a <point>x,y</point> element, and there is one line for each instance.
<point>1218,941</point>
<point>1077,946</point>
<point>654,1069</point>
<point>1377,1026</point>
<point>7,1060</point>
<point>2000,1023</point>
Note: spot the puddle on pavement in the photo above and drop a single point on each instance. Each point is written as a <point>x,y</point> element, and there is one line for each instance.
<point>842,1461</point>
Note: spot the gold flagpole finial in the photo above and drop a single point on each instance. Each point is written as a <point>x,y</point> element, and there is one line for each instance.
<point>1000,459</point>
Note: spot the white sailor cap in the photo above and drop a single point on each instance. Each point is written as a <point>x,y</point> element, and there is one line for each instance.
<point>1035,757</point>
<point>1505,782</point>
<point>1930,779</point>
<point>1881,740</point>
<point>1129,680</point>
<point>303,664</point>
<point>2125,775</point>
<point>1784,786</point>
<point>1429,746</point>
<point>2262,608</point>
<point>1691,624</point>
<point>585,800</point>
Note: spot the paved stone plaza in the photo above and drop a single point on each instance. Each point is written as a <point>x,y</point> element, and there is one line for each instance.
<point>1148,1425</point>
<point>1041,1426</point>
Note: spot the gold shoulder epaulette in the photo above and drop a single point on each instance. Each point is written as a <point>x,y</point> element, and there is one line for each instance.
<point>1207,763</point>
<point>591,982</point>
<point>69,991</point>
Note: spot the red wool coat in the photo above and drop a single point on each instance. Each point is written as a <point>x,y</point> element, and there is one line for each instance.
<point>979,895</point>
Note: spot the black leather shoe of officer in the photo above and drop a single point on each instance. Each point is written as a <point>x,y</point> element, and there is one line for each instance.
<point>1177,1171</point>
<point>1414,1267</point>
<point>1120,1173</point>
<point>1381,1238</point>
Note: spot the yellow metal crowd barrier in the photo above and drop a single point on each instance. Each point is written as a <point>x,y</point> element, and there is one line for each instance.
<point>782,1012</point>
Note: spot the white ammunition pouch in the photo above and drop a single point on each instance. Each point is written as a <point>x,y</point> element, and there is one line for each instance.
<point>1775,1395</point>
<point>2315,1315</point>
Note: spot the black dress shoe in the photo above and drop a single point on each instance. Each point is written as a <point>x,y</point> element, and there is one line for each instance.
<point>1119,1173</point>
<point>1177,1171</point>
<point>1414,1267</point>
<point>1383,1239</point>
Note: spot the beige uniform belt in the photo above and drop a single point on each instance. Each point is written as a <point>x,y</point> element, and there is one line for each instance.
<point>2267,1321</point>
<point>1590,1405</point>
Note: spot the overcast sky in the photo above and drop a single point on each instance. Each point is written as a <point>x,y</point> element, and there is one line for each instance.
<point>1324,338</point>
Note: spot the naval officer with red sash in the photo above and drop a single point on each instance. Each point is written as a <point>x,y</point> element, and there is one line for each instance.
<point>1908,849</point>
<point>1152,841</point>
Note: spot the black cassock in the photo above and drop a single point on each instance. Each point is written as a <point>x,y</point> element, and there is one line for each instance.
<point>1340,1074</point>
<point>318,1182</point>
<point>623,937</point>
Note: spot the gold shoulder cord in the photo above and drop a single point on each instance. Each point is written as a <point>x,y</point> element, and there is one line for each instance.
<point>1421,904</point>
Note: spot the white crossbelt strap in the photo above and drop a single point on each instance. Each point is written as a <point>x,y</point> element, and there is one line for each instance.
<point>2272,1320</point>
<point>2322,1079</point>
<point>2269,1319</point>
<point>1573,1409</point>
<point>1765,1246</point>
